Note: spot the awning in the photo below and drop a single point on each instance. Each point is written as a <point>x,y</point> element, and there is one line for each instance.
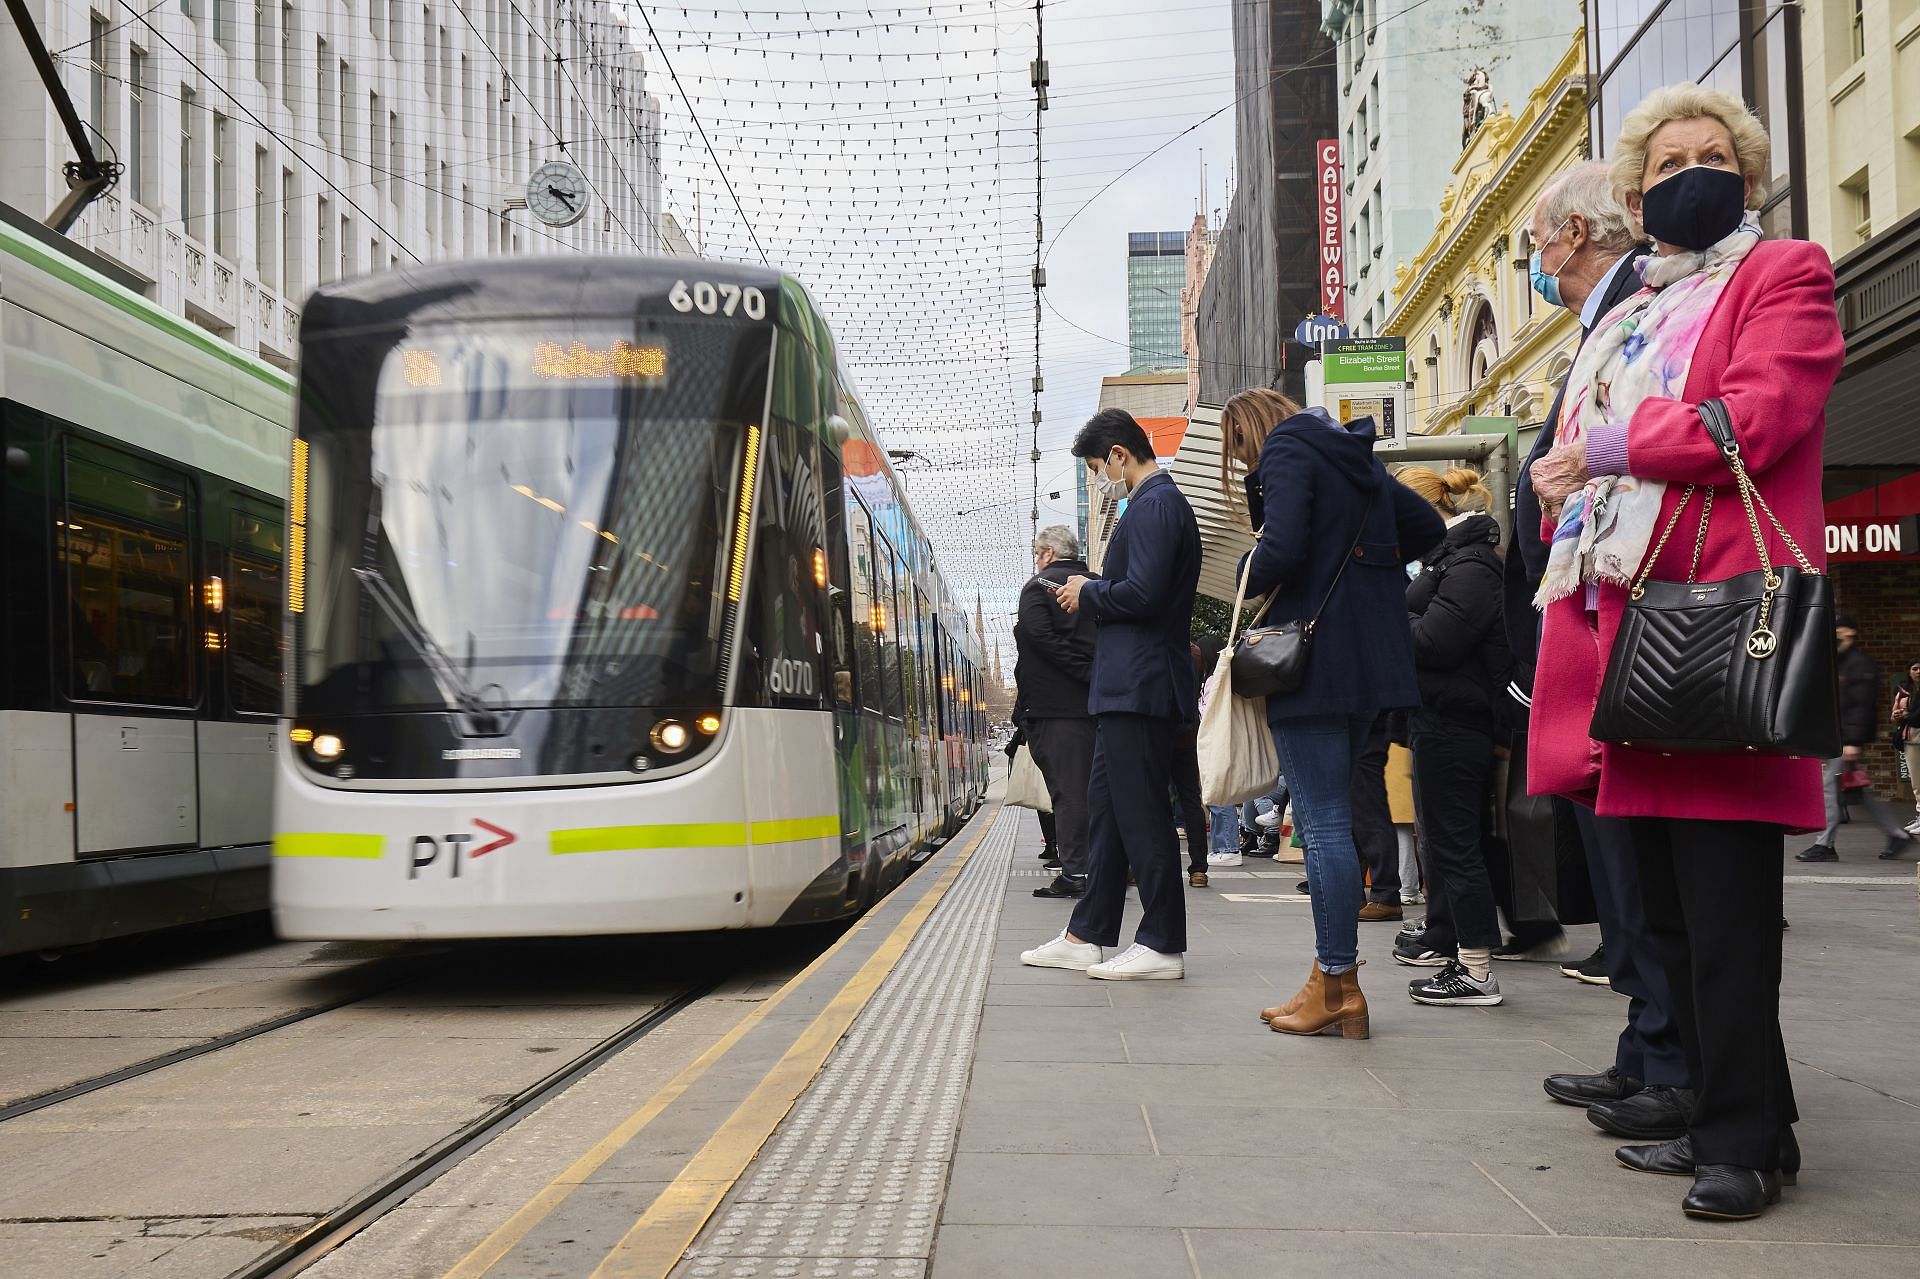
<point>1196,471</point>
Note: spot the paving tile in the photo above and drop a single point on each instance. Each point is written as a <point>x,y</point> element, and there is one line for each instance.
<point>1068,1127</point>
<point>974,1252</point>
<point>1040,1082</point>
<point>1221,1191</point>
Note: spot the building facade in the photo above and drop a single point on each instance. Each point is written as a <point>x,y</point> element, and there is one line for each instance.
<point>1412,80</point>
<point>1200,243</point>
<point>1156,273</point>
<point>1480,342</point>
<point>1265,276</point>
<point>271,146</point>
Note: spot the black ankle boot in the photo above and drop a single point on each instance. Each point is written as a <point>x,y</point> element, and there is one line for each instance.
<point>1728,1192</point>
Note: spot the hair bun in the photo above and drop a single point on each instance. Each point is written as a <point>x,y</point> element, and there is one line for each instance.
<point>1461,479</point>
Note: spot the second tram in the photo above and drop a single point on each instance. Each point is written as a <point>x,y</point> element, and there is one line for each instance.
<point>607,613</point>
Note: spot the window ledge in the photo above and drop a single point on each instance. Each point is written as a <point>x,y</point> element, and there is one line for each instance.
<point>1908,32</point>
<point>1849,80</point>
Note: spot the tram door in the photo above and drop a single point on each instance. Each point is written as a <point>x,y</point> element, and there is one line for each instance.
<point>125,543</point>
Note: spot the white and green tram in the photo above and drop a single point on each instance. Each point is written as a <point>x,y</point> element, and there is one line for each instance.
<point>607,613</point>
<point>145,472</point>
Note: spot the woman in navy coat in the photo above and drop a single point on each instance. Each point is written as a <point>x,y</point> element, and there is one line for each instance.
<point>1327,502</point>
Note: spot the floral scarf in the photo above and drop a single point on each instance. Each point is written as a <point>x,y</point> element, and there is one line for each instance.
<point>1642,348</point>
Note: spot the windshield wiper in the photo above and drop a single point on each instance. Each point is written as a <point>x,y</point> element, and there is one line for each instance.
<point>454,688</point>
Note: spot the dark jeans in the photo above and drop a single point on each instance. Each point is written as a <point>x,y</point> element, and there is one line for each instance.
<point>1373,834</point>
<point>1649,1047</point>
<point>1130,826</point>
<point>1063,748</point>
<point>1186,789</point>
<point>1316,757</point>
<point>1713,895</point>
<point>1452,764</point>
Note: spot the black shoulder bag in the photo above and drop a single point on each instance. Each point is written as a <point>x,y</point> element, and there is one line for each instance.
<point>1271,661</point>
<point>1741,665</point>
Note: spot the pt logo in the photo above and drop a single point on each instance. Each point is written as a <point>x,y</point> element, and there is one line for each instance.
<point>427,848</point>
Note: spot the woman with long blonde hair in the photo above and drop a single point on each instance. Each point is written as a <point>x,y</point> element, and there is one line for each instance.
<point>1335,534</point>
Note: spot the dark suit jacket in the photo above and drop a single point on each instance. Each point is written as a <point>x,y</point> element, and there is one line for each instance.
<point>1055,649</point>
<point>1143,654</point>
<point>1527,553</point>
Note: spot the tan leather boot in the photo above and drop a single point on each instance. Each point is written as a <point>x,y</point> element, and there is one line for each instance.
<point>1293,1005</point>
<point>1334,1005</point>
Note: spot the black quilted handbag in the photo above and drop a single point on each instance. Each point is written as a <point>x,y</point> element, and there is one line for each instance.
<point>1741,665</point>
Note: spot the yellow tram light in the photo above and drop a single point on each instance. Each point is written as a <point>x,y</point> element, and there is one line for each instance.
<point>743,520</point>
<point>300,736</point>
<point>819,568</point>
<point>297,531</point>
<point>216,595</point>
<point>708,724</point>
<point>211,641</point>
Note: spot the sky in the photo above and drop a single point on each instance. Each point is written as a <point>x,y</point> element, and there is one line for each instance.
<point>885,156</point>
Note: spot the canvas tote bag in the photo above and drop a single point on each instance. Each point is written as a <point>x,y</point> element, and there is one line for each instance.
<point>1026,787</point>
<point>1237,761</point>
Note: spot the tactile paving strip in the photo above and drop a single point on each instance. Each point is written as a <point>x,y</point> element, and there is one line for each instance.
<point>850,1185</point>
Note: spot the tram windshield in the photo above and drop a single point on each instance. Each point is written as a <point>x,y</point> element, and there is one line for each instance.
<point>507,517</point>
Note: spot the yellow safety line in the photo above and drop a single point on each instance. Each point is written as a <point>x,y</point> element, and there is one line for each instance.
<point>530,1214</point>
<point>328,844</point>
<point>789,829</point>
<point>614,839</point>
<point>657,1241</point>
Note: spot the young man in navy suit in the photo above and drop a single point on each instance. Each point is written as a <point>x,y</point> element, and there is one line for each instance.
<point>1143,690</point>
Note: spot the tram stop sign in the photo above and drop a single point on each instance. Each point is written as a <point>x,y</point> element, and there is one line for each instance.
<point>1316,329</point>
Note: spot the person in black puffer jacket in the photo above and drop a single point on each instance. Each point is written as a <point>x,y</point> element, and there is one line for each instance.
<point>1461,658</point>
<point>1859,697</point>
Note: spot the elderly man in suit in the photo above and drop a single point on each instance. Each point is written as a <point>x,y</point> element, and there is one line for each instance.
<point>1586,263</point>
<point>1143,690</point>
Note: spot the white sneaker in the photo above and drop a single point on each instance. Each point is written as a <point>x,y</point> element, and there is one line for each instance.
<point>1413,899</point>
<point>1913,827</point>
<point>1138,963</point>
<point>1269,820</point>
<point>1225,859</point>
<point>1076,956</point>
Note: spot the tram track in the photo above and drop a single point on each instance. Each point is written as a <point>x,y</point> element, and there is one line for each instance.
<point>366,1208</point>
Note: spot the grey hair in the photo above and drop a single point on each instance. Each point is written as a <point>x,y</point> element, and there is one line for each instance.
<point>1587,189</point>
<point>1059,539</point>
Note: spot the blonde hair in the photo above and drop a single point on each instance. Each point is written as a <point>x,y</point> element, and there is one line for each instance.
<point>1689,101</point>
<point>1457,491</point>
<point>1245,423</point>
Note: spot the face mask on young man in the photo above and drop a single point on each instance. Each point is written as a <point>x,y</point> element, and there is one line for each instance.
<point>1104,482</point>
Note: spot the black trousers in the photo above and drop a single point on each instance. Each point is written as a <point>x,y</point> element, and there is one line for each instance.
<point>1649,1047</point>
<point>1130,826</point>
<point>1713,895</point>
<point>1452,764</point>
<point>1063,749</point>
<point>1373,833</point>
<point>1186,789</point>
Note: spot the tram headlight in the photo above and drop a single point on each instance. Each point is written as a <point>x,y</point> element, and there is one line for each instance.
<point>326,746</point>
<point>670,737</point>
<point>708,724</point>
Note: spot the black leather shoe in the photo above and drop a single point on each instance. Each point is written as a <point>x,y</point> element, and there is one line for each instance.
<point>1817,853</point>
<point>1667,1159</point>
<point>1675,1158</point>
<point>1585,1090</point>
<point>1061,887</point>
<point>1728,1192</point>
<point>1655,1113</point>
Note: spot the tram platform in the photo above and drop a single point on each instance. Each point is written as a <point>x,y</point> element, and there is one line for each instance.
<point>920,1104</point>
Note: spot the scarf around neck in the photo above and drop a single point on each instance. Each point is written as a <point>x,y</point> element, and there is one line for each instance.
<point>1641,349</point>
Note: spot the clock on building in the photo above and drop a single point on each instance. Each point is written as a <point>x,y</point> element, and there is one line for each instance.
<point>557,193</point>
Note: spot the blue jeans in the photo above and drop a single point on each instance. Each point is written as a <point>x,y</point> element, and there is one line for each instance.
<point>1223,826</point>
<point>1317,755</point>
<point>1275,798</point>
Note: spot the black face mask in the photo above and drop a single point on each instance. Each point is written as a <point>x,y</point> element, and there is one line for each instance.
<point>1695,208</point>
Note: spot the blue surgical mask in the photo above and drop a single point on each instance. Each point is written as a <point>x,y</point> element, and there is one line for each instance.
<point>1548,286</point>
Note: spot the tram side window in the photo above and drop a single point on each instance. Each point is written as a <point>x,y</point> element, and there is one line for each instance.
<point>255,639</point>
<point>870,624</point>
<point>840,644</point>
<point>786,604</point>
<point>124,541</point>
<point>889,628</point>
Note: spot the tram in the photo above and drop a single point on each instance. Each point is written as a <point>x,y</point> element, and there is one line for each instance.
<point>607,613</point>
<point>143,498</point>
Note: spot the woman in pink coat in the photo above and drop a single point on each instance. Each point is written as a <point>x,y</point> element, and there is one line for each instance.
<point>1724,315</point>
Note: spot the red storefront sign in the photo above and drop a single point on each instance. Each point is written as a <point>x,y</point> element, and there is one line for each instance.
<point>1333,276</point>
<point>1875,524</point>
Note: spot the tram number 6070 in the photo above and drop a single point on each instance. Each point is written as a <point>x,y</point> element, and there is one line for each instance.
<point>717,299</point>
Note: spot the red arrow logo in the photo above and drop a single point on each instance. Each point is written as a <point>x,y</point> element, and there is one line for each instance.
<point>506,837</point>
